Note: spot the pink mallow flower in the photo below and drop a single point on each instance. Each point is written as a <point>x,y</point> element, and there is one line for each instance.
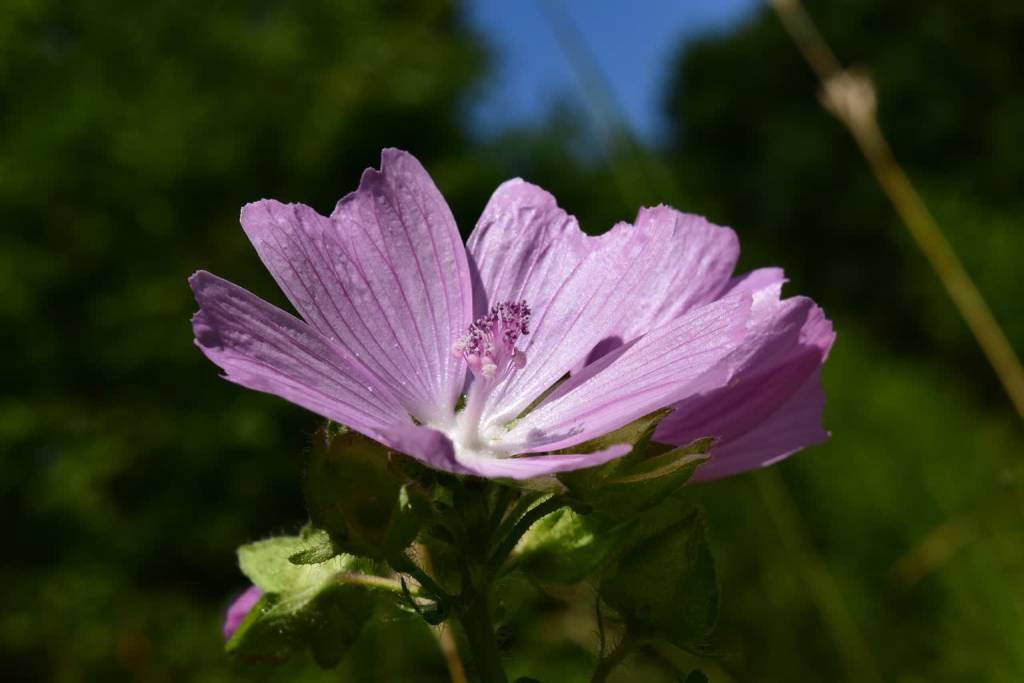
<point>401,322</point>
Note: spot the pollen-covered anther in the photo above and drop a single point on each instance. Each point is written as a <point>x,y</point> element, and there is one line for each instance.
<point>489,345</point>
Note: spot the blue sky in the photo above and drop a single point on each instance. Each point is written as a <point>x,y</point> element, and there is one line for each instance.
<point>632,42</point>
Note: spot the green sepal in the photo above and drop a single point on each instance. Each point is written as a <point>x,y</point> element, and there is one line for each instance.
<point>664,585</point>
<point>642,478</point>
<point>638,433</point>
<point>695,676</point>
<point>321,606</point>
<point>585,485</point>
<point>410,512</point>
<point>567,546</point>
<point>642,483</point>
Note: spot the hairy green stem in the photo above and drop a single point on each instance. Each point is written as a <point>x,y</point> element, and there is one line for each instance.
<point>371,581</point>
<point>474,613</point>
<point>403,565</point>
<point>475,617</point>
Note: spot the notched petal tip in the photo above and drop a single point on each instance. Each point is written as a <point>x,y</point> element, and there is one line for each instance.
<point>523,194</point>
<point>198,279</point>
<point>665,214</point>
<point>392,161</point>
<point>205,335</point>
<point>259,205</point>
<point>255,214</point>
<point>268,220</point>
<point>373,181</point>
<point>388,154</point>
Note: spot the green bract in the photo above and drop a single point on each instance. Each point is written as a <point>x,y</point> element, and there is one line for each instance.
<point>357,497</point>
<point>664,587</point>
<point>642,478</point>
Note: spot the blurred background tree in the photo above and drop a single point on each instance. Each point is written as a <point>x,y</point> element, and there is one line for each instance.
<point>133,134</point>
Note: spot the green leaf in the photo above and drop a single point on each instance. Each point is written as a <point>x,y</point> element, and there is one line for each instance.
<point>322,606</point>
<point>268,565</point>
<point>327,621</point>
<point>664,585</point>
<point>339,614</point>
<point>695,676</point>
<point>320,548</point>
<point>566,546</point>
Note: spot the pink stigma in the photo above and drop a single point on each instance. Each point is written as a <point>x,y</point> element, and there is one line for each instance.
<point>489,345</point>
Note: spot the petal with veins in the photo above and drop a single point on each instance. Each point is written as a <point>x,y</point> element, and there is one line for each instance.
<point>261,347</point>
<point>386,277</point>
<point>795,425</point>
<point>675,360</point>
<point>782,355</point>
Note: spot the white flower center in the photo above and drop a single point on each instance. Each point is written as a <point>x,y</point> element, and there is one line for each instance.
<point>489,349</point>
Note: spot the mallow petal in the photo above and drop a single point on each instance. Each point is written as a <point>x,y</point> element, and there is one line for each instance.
<point>787,344</point>
<point>683,262</point>
<point>427,445</point>
<point>309,258</point>
<point>524,247</point>
<point>386,277</point>
<point>408,280</point>
<point>626,283</point>
<point>675,360</point>
<point>261,347</point>
<point>687,263</point>
<point>540,465</point>
<point>755,280</point>
<point>795,425</point>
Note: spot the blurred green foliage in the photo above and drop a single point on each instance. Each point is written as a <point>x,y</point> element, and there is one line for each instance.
<point>131,135</point>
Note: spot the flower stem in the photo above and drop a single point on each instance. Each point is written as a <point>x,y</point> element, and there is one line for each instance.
<point>475,618</point>
<point>443,632</point>
<point>614,658</point>
<point>914,213</point>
